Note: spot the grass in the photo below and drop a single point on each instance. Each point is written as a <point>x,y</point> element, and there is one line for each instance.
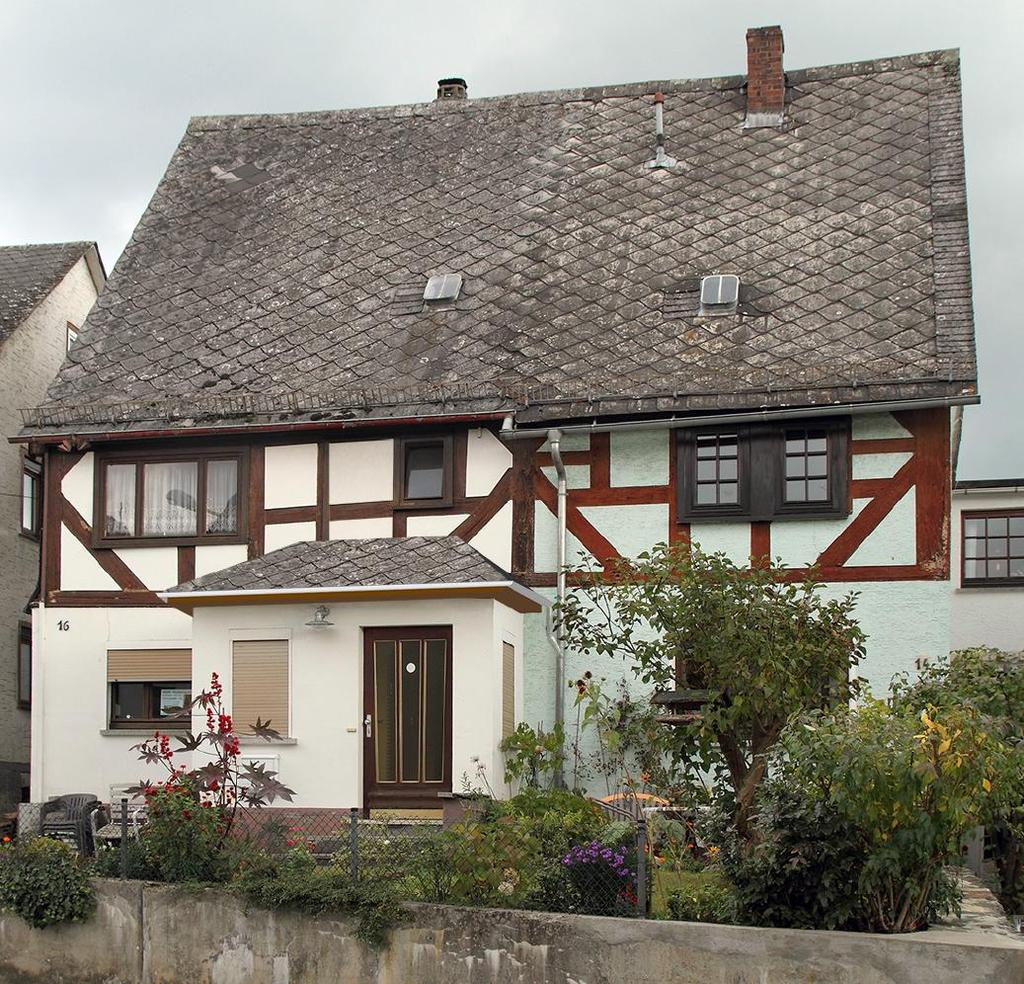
<point>667,881</point>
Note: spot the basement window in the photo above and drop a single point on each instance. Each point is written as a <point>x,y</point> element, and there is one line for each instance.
<point>764,472</point>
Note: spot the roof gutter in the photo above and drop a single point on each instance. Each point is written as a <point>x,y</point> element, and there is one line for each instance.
<point>79,437</point>
<point>744,416</point>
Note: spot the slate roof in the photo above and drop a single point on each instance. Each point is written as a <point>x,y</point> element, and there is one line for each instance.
<point>276,275</point>
<point>355,563</point>
<point>28,274</point>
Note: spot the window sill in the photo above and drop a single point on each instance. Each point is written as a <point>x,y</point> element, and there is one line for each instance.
<point>253,740</point>
<point>141,732</point>
<point>25,535</point>
<point>990,585</point>
<point>111,543</point>
<point>786,517</point>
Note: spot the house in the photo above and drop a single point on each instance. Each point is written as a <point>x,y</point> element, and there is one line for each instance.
<point>988,564</point>
<point>46,292</point>
<point>357,371</point>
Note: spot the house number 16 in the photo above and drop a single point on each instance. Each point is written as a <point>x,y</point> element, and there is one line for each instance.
<point>63,625</point>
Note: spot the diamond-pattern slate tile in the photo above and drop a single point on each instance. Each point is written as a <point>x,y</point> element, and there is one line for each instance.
<point>846,226</point>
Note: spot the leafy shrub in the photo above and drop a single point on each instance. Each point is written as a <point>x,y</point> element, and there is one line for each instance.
<point>44,882</point>
<point>107,863</point>
<point>707,898</point>
<point>556,818</point>
<point>802,868</point>
<point>318,891</point>
<point>532,755</point>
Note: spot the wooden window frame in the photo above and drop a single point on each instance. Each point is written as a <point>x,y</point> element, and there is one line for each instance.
<point>762,473</point>
<point>25,635</point>
<point>153,720</point>
<point>34,470</point>
<point>986,582</point>
<point>402,448</point>
<point>140,458</point>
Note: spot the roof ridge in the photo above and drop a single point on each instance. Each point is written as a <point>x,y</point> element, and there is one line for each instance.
<point>873,66</point>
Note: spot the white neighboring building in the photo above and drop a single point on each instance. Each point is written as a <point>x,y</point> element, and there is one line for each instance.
<point>988,564</point>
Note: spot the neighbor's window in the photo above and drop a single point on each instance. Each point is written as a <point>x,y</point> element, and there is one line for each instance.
<point>24,665</point>
<point>764,472</point>
<point>192,498</point>
<point>149,687</point>
<point>423,472</point>
<point>31,514</point>
<point>993,548</point>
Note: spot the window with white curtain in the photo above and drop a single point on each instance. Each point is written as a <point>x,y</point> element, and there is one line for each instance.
<point>193,498</point>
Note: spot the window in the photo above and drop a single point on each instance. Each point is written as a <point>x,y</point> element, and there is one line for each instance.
<point>174,499</point>
<point>423,472</point>
<point>24,666</point>
<point>72,336</point>
<point>31,514</point>
<point>149,687</point>
<point>764,472</point>
<point>259,684</point>
<point>993,549</point>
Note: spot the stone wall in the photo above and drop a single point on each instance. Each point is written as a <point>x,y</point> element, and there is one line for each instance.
<point>146,934</point>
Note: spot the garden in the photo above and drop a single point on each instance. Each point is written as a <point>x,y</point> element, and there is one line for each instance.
<point>762,786</point>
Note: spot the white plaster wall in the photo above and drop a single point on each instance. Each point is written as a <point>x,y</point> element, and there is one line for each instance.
<point>218,556</point>
<point>883,465</point>
<point>984,616</point>
<point>487,459</point>
<point>79,570</point>
<point>77,486</point>
<point>360,529</point>
<point>277,535</point>
<point>494,540</point>
<point>894,540</point>
<point>324,765</point>
<point>640,457</point>
<point>545,549</point>
<point>799,543</point>
<point>732,539</point>
<point>433,525</point>
<point>361,471</point>
<point>29,359</point>
<point>69,671</point>
<point>290,475</point>
<point>875,426</point>
<point>156,567</point>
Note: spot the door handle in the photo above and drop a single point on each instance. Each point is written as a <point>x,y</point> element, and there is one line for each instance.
<point>368,725</point>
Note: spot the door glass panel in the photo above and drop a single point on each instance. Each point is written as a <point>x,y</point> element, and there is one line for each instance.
<point>385,703</point>
<point>433,711</point>
<point>411,676</point>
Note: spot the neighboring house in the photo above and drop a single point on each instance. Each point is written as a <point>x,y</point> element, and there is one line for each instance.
<point>362,326</point>
<point>45,293</point>
<point>988,564</point>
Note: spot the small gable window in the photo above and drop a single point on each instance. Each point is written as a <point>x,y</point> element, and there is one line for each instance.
<point>764,472</point>
<point>424,472</point>
<point>195,498</point>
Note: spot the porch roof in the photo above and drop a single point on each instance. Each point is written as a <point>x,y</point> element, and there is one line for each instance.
<point>375,569</point>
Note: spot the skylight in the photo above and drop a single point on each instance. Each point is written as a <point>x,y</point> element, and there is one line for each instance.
<point>443,287</point>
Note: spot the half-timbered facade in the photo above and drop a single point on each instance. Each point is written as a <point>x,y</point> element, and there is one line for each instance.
<point>714,317</point>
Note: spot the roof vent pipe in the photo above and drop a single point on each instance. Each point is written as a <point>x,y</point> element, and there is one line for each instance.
<point>451,89</point>
<point>554,624</point>
<point>661,159</point>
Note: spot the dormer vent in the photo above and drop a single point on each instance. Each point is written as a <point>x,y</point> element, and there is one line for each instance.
<point>719,294</point>
<point>442,287</point>
<point>452,89</point>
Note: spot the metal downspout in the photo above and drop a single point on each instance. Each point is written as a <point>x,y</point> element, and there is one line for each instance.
<point>554,628</point>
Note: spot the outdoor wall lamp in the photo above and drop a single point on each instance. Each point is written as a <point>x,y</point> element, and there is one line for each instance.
<point>320,619</point>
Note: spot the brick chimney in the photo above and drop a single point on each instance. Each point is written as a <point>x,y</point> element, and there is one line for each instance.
<point>766,83</point>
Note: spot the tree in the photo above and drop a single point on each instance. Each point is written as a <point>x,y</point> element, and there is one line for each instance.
<point>756,646</point>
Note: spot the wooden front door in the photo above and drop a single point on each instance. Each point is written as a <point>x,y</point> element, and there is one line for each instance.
<point>407,722</point>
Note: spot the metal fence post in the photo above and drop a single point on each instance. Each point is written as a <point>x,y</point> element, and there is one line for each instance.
<point>353,844</point>
<point>124,836</point>
<point>641,867</point>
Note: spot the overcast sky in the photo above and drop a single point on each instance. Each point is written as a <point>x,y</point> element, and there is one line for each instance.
<point>95,94</point>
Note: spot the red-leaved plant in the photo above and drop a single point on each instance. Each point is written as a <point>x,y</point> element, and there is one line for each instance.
<point>224,783</point>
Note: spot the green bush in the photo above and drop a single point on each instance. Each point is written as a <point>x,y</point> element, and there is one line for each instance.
<point>708,898</point>
<point>318,891</point>
<point>44,882</point>
<point>802,868</point>
<point>107,863</point>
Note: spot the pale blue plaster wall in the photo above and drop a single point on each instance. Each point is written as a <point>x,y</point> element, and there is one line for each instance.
<point>576,476</point>
<point>640,457</point>
<point>630,529</point>
<point>732,539</point>
<point>873,426</point>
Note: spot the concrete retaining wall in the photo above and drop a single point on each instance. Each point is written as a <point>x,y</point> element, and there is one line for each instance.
<point>145,934</point>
